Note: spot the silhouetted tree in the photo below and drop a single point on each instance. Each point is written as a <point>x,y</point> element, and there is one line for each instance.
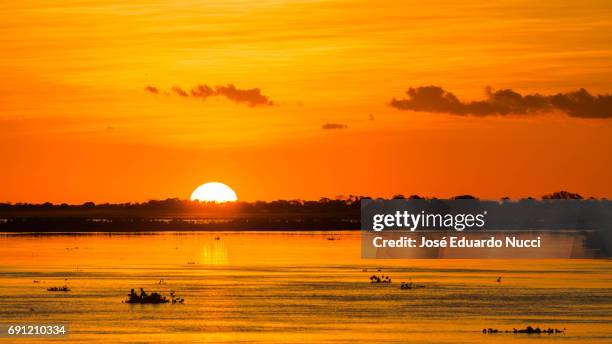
<point>562,195</point>
<point>464,197</point>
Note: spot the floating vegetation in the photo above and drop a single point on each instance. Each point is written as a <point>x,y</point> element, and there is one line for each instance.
<point>62,288</point>
<point>380,279</point>
<point>175,299</point>
<point>410,285</point>
<point>152,298</point>
<point>527,330</point>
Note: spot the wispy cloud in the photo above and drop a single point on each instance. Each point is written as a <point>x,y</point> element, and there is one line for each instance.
<point>333,126</point>
<point>152,89</point>
<point>579,103</point>
<point>251,97</point>
<point>179,91</point>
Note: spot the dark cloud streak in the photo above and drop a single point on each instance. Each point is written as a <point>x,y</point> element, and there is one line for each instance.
<point>579,103</point>
<point>251,97</point>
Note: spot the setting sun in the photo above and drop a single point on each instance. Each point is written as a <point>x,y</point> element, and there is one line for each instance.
<point>214,192</point>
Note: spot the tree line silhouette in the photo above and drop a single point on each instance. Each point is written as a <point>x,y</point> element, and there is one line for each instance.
<point>339,213</point>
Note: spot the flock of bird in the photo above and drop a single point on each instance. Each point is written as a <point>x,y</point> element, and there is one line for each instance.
<point>403,285</point>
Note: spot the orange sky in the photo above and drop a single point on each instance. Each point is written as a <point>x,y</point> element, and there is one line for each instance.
<point>76,123</point>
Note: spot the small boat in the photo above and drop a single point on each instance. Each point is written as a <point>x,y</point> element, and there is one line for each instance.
<point>145,298</point>
<point>152,298</point>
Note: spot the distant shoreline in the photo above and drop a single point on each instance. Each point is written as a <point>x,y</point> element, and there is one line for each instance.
<point>121,225</point>
<point>180,215</point>
<point>175,232</point>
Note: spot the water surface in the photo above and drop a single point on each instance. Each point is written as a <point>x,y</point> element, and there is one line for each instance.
<point>292,287</point>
